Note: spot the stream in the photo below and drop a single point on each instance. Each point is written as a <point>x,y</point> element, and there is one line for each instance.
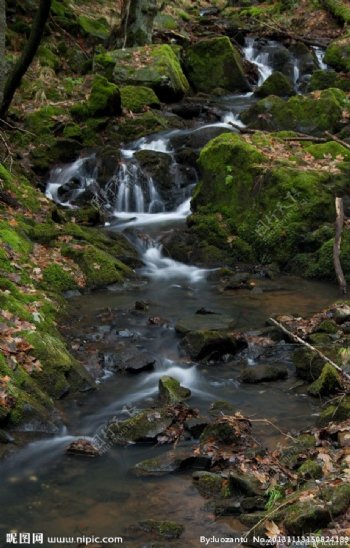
<point>45,490</point>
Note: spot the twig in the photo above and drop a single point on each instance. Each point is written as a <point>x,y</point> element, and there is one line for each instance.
<point>9,153</point>
<point>339,224</point>
<point>16,127</point>
<point>310,347</point>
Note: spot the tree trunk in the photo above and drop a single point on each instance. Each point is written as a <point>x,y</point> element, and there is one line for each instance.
<point>337,242</point>
<point>137,22</point>
<point>36,33</point>
<point>2,48</point>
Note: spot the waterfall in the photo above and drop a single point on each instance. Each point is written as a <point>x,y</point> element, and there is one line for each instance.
<point>258,58</point>
<point>320,53</point>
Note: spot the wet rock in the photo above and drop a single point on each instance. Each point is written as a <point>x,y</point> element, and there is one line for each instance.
<point>210,344</point>
<point>245,483</point>
<point>338,54</point>
<point>308,365</point>
<point>195,139</point>
<point>227,507</point>
<point>215,63</point>
<point>195,426</point>
<point>306,516</point>
<point>157,165</point>
<point>170,462</point>
<point>341,313</point>
<point>140,363</point>
<point>210,484</point>
<point>327,383</point>
<point>240,280</point>
<point>337,412</point>
<point>276,84</point>
<point>263,373</point>
<point>170,390</point>
<point>204,322</point>
<point>219,432</point>
<point>219,408</point>
<point>145,426</point>
<point>163,529</point>
<point>5,437</point>
<point>251,504</point>
<point>142,305</point>
<point>84,448</point>
<point>187,111</point>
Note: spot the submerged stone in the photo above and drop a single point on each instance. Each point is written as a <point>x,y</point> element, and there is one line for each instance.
<point>163,529</point>
<point>263,373</point>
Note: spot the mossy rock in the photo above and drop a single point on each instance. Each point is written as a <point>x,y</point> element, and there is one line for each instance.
<point>337,412</point>
<point>218,432</point>
<point>339,8</point>
<point>277,84</point>
<point>58,280</point>
<point>310,470</point>
<point>99,268</point>
<point>96,28</point>
<point>15,239</point>
<point>328,326</point>
<point>60,371</point>
<point>104,100</point>
<point>163,529</point>
<point>306,114</point>
<point>138,98</point>
<point>203,343</point>
<point>211,485</point>
<point>338,54</point>
<point>308,365</point>
<point>330,149</point>
<point>144,426</point>
<point>140,125</point>
<point>263,373</point>
<point>302,517</point>
<point>48,58</point>
<point>155,66</point>
<point>215,63</point>
<point>170,391</point>
<point>323,79</point>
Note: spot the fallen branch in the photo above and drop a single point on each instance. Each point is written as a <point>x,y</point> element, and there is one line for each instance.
<point>339,224</point>
<point>337,140</point>
<point>306,138</point>
<point>310,347</point>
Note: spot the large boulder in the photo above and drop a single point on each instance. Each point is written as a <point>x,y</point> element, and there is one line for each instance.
<point>215,63</point>
<point>276,84</point>
<point>338,54</point>
<point>104,100</point>
<point>155,66</point>
<point>311,114</point>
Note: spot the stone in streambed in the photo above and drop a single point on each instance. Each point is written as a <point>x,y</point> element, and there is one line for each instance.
<point>220,407</point>
<point>205,322</point>
<point>263,373</point>
<point>170,390</point>
<point>327,383</point>
<point>83,447</point>
<point>210,484</point>
<point>170,462</point>
<point>206,343</point>
<point>215,63</point>
<point>144,426</point>
<point>164,529</point>
<point>140,363</point>
<point>277,84</point>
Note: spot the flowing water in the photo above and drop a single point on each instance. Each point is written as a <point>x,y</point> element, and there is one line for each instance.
<point>45,490</point>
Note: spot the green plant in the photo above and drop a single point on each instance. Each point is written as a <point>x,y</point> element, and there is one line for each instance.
<point>229,176</point>
<point>274,493</point>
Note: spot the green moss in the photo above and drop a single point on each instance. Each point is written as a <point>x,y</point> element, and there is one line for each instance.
<point>327,383</point>
<point>140,125</point>
<point>56,279</point>
<point>145,425</point>
<point>210,485</point>
<point>305,516</point>
<point>165,21</point>
<point>330,149</point>
<point>97,28</point>
<point>170,390</point>
<point>104,100</point>
<point>138,98</point>
<point>338,54</point>
<point>323,79</point>
<point>277,84</point>
<point>215,63</point>
<point>307,114</point>
<point>164,529</point>
<point>14,239</point>
<point>100,268</point>
<point>48,58</point>
<point>339,9</point>
<point>60,371</point>
<point>156,66</point>
<point>310,470</point>
<point>328,326</point>
<point>43,233</point>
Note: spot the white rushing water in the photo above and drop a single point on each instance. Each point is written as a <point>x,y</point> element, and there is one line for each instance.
<point>320,53</point>
<point>260,59</point>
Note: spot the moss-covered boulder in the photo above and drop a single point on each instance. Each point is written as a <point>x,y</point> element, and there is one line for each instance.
<point>277,84</point>
<point>104,100</point>
<point>323,79</point>
<point>336,412</point>
<point>251,209</point>
<point>170,390</point>
<point>307,114</point>
<point>94,27</point>
<point>310,469</point>
<point>338,54</point>
<point>215,63</point>
<point>329,150</point>
<point>144,426</point>
<point>99,267</point>
<point>339,8</point>
<point>203,344</point>
<point>327,383</point>
<point>138,98</point>
<point>211,485</point>
<point>155,66</point>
